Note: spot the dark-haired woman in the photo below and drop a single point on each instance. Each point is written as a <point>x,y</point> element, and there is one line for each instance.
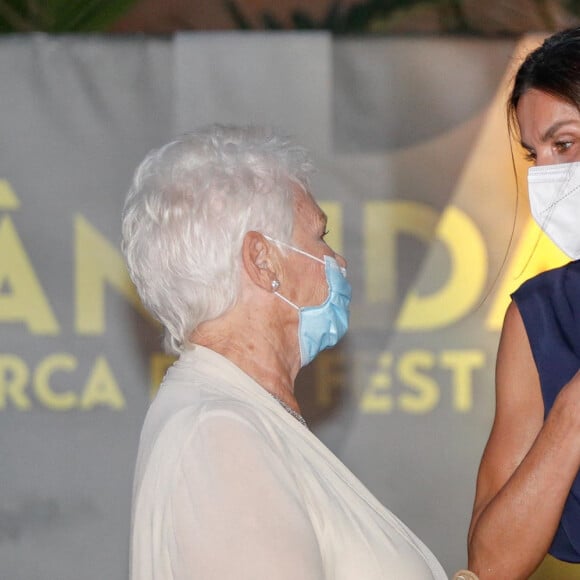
<point>528,490</point>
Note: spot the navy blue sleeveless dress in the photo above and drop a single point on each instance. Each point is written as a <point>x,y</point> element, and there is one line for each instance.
<point>550,307</point>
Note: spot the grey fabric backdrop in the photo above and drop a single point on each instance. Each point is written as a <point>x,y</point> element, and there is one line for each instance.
<point>409,138</point>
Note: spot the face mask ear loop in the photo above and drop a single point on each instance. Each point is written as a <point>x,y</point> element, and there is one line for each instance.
<point>303,253</point>
<point>286,300</point>
<point>290,247</point>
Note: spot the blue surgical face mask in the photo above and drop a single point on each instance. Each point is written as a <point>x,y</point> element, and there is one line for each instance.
<point>321,327</point>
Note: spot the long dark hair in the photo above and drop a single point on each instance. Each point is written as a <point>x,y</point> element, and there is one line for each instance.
<point>553,67</point>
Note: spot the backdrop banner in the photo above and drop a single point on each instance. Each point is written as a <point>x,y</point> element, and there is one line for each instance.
<point>415,173</point>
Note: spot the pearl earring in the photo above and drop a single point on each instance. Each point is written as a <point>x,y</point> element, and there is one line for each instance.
<point>275,285</point>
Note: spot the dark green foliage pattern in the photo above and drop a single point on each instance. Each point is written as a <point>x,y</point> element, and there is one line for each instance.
<point>60,16</point>
<point>375,16</point>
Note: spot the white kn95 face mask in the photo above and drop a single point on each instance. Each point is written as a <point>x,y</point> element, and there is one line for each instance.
<point>554,192</point>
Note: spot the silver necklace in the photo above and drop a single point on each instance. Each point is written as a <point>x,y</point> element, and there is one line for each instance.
<point>290,410</point>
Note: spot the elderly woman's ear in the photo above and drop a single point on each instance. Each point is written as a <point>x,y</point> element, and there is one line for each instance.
<point>260,260</point>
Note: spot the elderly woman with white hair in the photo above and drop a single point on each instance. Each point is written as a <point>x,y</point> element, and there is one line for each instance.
<point>226,247</point>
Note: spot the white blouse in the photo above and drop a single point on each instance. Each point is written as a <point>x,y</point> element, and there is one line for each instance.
<point>228,485</point>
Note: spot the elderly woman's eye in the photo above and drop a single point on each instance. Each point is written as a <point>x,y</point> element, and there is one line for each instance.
<point>326,232</point>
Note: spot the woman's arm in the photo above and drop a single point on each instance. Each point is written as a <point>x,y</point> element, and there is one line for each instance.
<point>528,465</point>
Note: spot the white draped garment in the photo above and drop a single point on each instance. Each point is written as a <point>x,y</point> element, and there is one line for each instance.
<point>229,486</point>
